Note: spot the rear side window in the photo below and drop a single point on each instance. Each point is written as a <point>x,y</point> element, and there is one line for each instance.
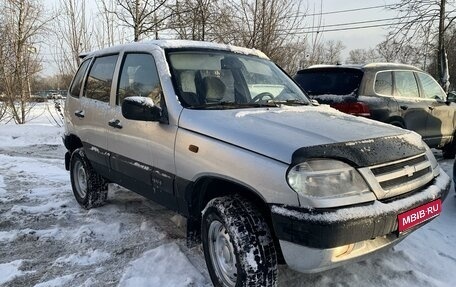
<point>431,89</point>
<point>139,77</point>
<point>331,81</point>
<point>406,85</point>
<point>384,83</point>
<point>75,88</point>
<point>98,86</point>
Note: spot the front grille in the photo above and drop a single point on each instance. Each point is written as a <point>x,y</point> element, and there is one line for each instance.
<point>398,177</point>
<point>389,184</point>
<point>396,166</point>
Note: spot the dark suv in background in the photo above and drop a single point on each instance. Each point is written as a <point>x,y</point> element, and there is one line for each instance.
<point>397,94</point>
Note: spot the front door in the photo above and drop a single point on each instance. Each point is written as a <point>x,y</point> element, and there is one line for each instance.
<point>142,153</point>
<point>413,109</point>
<point>441,121</point>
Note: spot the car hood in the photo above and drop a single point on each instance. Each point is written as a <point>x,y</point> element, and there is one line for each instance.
<point>281,132</point>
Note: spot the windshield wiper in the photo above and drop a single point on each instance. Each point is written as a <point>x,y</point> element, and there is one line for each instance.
<point>233,105</point>
<point>291,103</point>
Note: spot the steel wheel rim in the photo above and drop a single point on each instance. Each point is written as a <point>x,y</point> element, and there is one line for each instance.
<point>222,253</point>
<point>80,176</point>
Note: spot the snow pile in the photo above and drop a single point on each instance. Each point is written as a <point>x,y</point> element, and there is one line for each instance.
<point>57,282</point>
<point>10,270</point>
<point>163,266</point>
<point>89,257</point>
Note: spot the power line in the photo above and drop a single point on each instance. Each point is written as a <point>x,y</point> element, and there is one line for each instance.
<point>350,10</point>
<point>341,11</point>
<point>354,28</point>
<point>322,27</point>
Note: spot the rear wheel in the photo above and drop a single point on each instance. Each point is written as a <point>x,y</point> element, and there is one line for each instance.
<point>89,188</point>
<point>237,243</point>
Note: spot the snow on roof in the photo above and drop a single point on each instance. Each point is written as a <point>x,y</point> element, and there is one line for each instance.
<point>175,44</point>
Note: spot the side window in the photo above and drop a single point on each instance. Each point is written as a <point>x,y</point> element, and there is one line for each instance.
<point>98,86</point>
<point>406,85</point>
<point>384,83</point>
<point>139,77</point>
<point>431,89</point>
<point>75,88</point>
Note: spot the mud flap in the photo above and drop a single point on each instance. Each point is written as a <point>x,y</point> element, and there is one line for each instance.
<point>67,160</point>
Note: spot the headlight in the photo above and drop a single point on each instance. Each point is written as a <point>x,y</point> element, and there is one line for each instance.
<point>326,178</point>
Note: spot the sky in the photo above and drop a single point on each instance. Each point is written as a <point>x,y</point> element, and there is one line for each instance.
<point>356,38</point>
<point>333,17</point>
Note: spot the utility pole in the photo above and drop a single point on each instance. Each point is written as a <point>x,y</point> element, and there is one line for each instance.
<point>442,62</point>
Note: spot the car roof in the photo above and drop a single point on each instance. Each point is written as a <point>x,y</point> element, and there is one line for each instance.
<point>371,67</point>
<point>176,44</point>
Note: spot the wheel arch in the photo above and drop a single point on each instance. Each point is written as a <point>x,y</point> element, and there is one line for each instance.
<point>71,142</point>
<point>207,188</point>
<point>397,121</point>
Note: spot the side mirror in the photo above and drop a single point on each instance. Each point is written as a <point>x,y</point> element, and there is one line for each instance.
<point>451,97</point>
<point>314,102</point>
<point>141,109</point>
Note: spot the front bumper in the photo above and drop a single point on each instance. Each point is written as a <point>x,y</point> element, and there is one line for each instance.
<point>314,240</point>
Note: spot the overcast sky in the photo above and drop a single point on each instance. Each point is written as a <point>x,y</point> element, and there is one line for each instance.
<point>353,39</point>
<point>333,17</point>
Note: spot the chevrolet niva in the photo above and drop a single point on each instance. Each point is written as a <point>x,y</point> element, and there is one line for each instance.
<point>263,175</point>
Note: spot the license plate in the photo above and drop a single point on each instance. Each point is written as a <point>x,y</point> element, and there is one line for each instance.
<point>419,215</point>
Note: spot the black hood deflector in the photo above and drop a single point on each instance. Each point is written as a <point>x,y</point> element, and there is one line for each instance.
<point>361,153</point>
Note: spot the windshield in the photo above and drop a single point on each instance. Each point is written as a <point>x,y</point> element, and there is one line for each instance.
<point>329,81</point>
<point>218,79</point>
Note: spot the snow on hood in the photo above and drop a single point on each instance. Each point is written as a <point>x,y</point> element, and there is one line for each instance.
<point>278,132</point>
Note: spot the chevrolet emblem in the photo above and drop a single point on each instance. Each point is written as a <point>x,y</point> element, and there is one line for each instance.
<point>409,170</point>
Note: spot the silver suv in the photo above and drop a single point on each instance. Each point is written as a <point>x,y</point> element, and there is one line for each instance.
<point>263,175</point>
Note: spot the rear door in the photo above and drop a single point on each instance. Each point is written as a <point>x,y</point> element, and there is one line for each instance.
<point>95,111</point>
<point>413,110</point>
<point>73,107</point>
<point>441,120</point>
<point>142,153</point>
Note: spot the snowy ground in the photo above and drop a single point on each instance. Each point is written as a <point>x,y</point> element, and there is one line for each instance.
<point>47,240</point>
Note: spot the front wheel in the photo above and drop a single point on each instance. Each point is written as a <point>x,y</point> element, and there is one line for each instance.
<point>89,188</point>
<point>237,243</point>
<point>449,151</point>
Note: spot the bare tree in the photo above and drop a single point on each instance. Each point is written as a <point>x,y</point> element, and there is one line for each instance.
<point>195,19</point>
<point>106,31</point>
<point>73,35</point>
<point>332,53</point>
<point>392,51</point>
<point>261,24</point>
<point>421,18</point>
<point>297,55</point>
<point>363,56</point>
<point>22,25</point>
<point>145,17</point>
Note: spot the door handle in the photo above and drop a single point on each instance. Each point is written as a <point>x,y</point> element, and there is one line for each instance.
<point>115,124</point>
<point>431,108</point>
<point>404,107</point>
<point>79,114</point>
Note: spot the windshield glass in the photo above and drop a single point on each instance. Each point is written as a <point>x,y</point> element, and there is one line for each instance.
<point>329,81</point>
<point>219,79</point>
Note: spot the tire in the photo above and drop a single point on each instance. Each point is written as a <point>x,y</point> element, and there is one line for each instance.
<point>89,188</point>
<point>449,151</point>
<point>237,244</point>
<point>454,175</point>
